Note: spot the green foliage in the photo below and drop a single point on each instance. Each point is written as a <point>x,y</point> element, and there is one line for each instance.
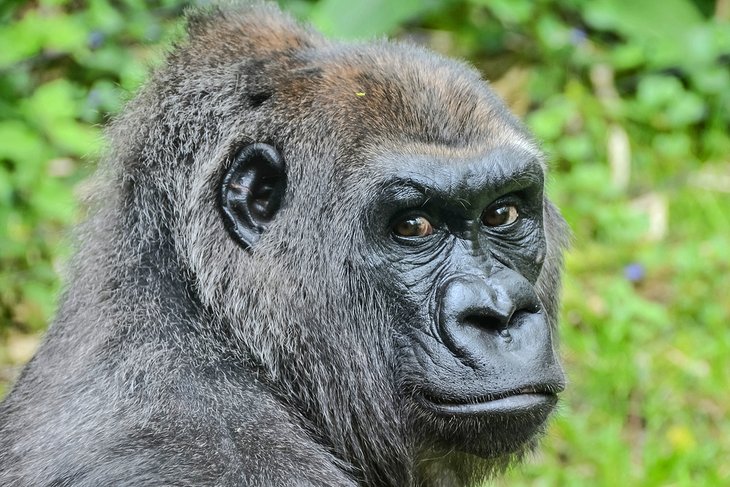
<point>63,68</point>
<point>362,19</point>
<point>631,100</point>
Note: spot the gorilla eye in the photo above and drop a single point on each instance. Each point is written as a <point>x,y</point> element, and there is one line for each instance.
<point>500,215</point>
<point>416,226</point>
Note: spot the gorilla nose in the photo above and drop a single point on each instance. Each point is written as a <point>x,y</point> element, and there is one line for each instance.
<point>473,308</point>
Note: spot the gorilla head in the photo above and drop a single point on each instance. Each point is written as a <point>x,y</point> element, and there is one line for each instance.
<point>312,263</point>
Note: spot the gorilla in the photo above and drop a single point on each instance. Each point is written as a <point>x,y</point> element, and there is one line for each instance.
<point>306,263</point>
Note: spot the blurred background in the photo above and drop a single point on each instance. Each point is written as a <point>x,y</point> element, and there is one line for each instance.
<point>631,99</point>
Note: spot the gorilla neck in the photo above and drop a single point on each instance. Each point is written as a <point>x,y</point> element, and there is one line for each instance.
<point>335,400</point>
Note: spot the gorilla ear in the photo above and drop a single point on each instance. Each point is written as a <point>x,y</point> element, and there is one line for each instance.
<point>252,192</point>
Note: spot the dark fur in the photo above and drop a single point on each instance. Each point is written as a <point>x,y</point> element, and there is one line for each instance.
<point>177,358</point>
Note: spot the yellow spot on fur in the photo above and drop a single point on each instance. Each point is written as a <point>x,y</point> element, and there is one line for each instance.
<point>360,93</point>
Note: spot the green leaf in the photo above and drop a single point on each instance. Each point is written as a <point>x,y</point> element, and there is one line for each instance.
<point>512,11</point>
<point>6,194</point>
<point>548,122</point>
<point>19,41</point>
<point>63,33</point>
<point>686,110</point>
<point>627,56</point>
<point>674,146</point>
<point>657,91</point>
<point>712,80</point>
<point>643,19</point>
<point>76,138</point>
<point>104,17</point>
<point>577,148</point>
<point>666,30</point>
<point>52,102</point>
<point>366,18</point>
<point>53,200</point>
<point>22,145</point>
<point>553,33</point>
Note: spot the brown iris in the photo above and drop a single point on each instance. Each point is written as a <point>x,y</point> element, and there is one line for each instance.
<point>499,216</point>
<point>416,226</point>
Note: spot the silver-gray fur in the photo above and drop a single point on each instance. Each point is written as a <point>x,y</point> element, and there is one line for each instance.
<point>179,358</point>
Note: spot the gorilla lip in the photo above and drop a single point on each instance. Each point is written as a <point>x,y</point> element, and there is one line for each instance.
<point>522,400</point>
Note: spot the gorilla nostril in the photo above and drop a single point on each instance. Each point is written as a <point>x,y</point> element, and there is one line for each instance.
<point>485,322</point>
<point>522,314</point>
<point>498,323</point>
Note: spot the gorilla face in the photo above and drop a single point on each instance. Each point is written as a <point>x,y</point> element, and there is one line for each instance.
<point>454,246</point>
<point>459,245</point>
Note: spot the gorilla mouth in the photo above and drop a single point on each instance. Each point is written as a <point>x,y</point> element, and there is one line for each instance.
<point>515,402</point>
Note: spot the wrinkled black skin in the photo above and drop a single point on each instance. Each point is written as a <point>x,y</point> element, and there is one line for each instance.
<point>241,311</point>
<point>475,329</point>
